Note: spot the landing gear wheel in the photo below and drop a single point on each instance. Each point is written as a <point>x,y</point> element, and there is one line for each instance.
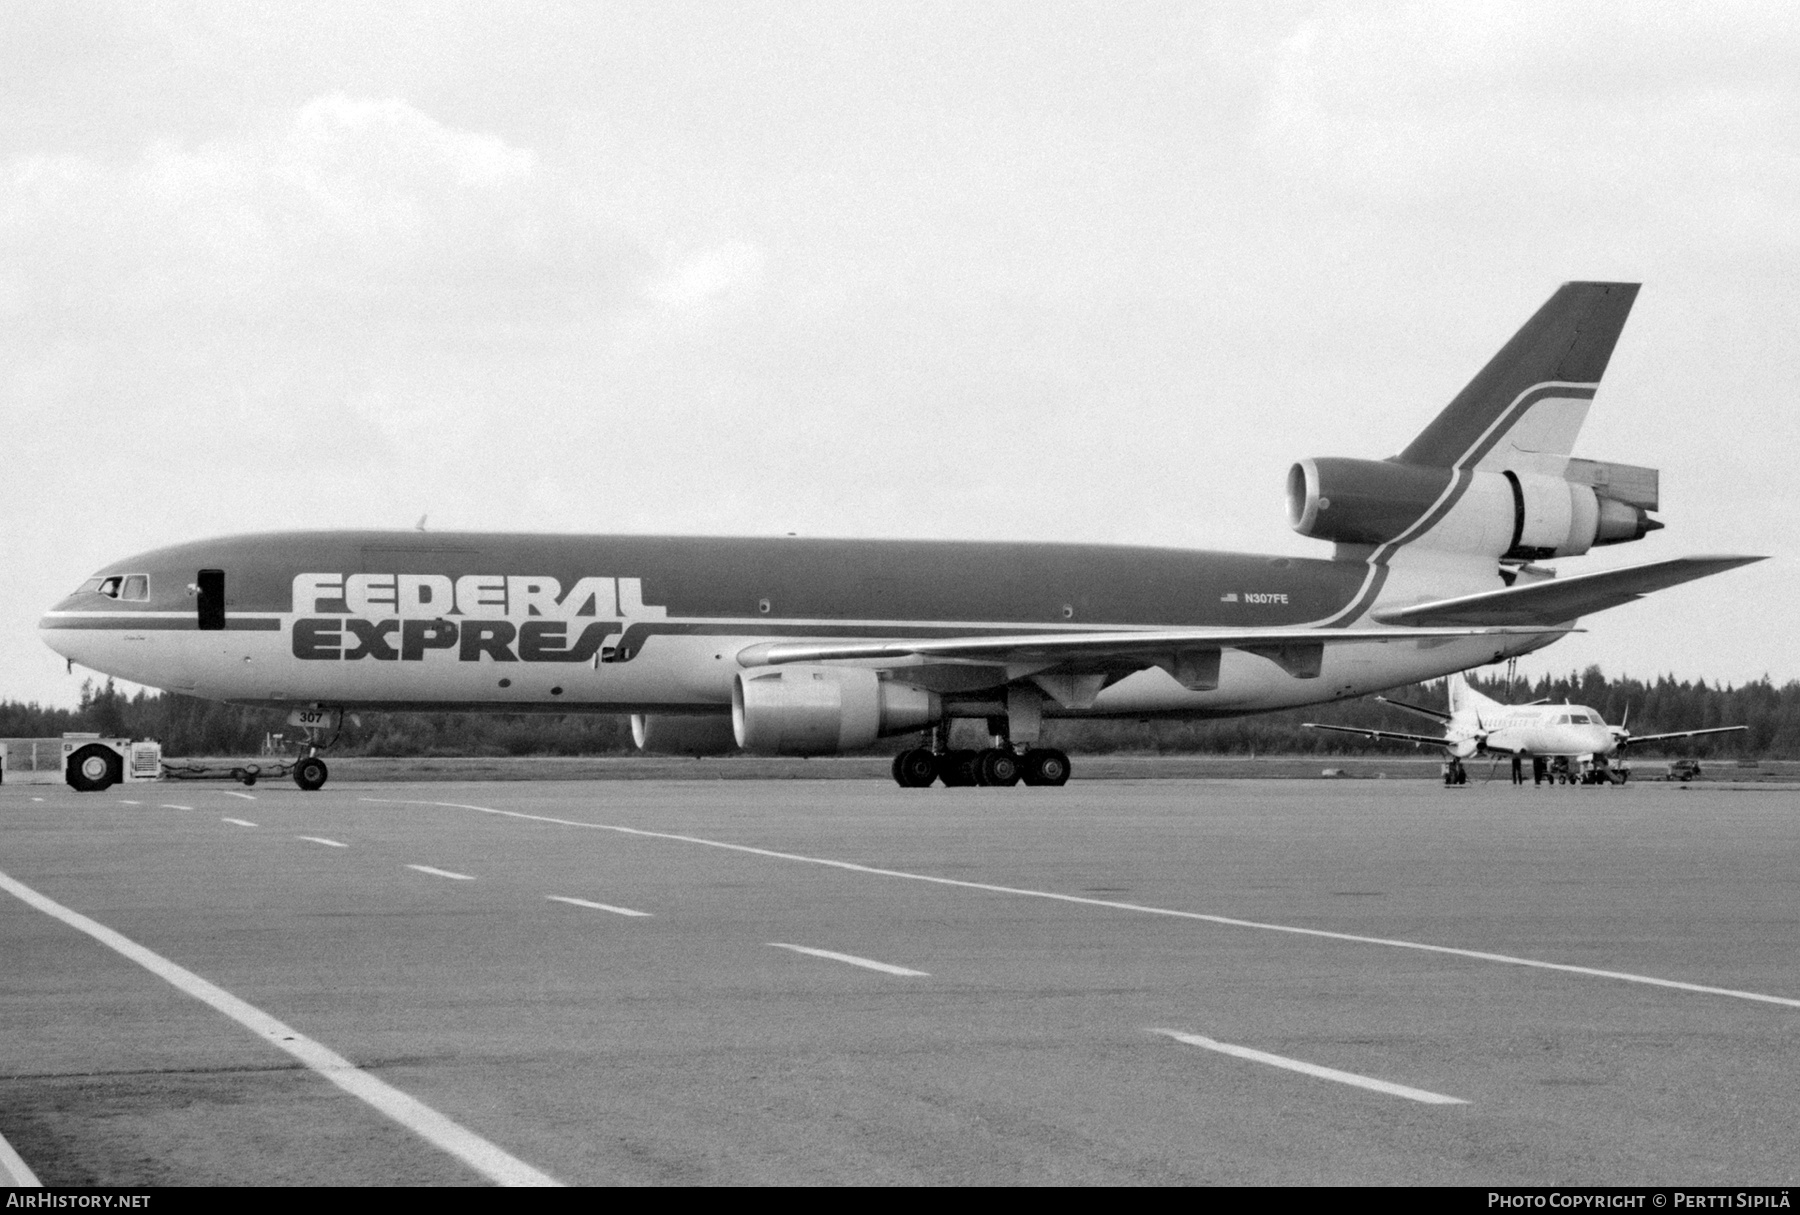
<point>1047,766</point>
<point>310,773</point>
<point>94,769</point>
<point>915,769</point>
<point>999,767</point>
<point>957,768</point>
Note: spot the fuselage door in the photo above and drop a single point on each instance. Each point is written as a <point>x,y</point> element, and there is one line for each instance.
<point>210,599</point>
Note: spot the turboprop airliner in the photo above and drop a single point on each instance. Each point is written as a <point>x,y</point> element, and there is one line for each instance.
<point>815,647</point>
<point>1568,741</point>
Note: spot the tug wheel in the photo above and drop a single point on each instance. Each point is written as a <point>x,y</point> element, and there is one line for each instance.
<point>94,768</point>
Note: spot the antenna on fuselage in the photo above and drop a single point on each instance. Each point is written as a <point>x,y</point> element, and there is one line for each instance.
<point>420,525</point>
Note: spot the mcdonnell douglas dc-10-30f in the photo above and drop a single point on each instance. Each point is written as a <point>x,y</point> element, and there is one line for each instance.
<point>1570,742</point>
<point>816,647</point>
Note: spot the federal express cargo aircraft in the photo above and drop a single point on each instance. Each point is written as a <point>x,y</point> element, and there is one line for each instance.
<point>816,647</point>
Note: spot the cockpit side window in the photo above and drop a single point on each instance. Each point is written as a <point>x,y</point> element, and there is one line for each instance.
<point>135,587</point>
<point>89,587</point>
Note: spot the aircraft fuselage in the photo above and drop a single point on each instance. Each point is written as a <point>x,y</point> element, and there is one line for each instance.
<point>528,622</point>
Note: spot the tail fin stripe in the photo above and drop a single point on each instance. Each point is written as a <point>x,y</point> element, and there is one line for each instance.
<point>1512,413</point>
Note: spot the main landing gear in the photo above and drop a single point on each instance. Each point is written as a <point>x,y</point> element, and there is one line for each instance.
<point>920,767</point>
<point>1011,758</point>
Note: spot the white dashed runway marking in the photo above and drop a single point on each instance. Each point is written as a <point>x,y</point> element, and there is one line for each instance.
<point>1313,1069</point>
<point>319,839</point>
<point>245,796</point>
<point>484,1157</point>
<point>866,963</point>
<point>238,822</point>
<point>170,806</point>
<point>563,898</point>
<point>1138,908</point>
<point>444,873</point>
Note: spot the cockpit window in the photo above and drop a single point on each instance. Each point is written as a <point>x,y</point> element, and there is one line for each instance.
<point>91,585</point>
<point>135,587</point>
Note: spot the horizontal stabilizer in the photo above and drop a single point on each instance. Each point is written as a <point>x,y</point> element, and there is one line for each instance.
<point>1421,710</point>
<point>1557,600</point>
<point>1140,647</point>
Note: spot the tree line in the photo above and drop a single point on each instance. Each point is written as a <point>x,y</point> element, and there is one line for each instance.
<point>187,726</point>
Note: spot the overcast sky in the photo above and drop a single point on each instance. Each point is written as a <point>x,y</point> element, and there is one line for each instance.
<point>1031,271</point>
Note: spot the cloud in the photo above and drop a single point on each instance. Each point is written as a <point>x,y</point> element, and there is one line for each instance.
<point>708,278</point>
<point>1545,108</point>
<point>349,215</point>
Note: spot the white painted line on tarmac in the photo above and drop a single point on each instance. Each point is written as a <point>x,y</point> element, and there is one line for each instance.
<point>122,802</point>
<point>1313,1069</point>
<point>39,799</point>
<point>238,821</point>
<point>866,963</point>
<point>461,877</point>
<point>14,1171</point>
<point>1141,908</point>
<point>245,796</point>
<point>485,1158</point>
<point>167,806</point>
<point>319,839</point>
<point>563,898</point>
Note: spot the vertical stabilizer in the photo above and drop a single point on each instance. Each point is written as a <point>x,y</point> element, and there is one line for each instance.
<point>1533,396</point>
<point>1463,698</point>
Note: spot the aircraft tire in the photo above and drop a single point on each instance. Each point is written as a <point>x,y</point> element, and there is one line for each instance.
<point>310,773</point>
<point>94,769</point>
<point>999,767</point>
<point>915,768</point>
<point>957,768</point>
<point>1045,766</point>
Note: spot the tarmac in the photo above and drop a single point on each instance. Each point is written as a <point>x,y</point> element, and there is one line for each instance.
<point>784,981</point>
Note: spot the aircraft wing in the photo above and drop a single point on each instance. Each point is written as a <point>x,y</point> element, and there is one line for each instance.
<point>1635,739</point>
<point>1295,649</point>
<point>1427,739</point>
<point>1560,599</point>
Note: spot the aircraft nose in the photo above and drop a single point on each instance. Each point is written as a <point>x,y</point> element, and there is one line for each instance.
<point>55,628</point>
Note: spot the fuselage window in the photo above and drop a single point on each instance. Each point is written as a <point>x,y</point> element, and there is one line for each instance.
<point>137,587</point>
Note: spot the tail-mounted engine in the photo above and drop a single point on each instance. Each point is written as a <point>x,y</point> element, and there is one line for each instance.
<point>820,710</point>
<point>1501,513</point>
